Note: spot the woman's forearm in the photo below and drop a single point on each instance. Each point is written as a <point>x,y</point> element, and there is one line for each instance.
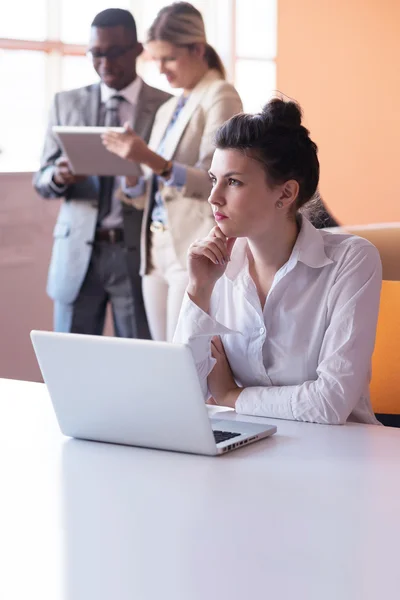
<point>154,161</point>
<point>201,296</point>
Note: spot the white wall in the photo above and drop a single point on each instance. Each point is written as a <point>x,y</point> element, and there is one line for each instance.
<point>26,224</point>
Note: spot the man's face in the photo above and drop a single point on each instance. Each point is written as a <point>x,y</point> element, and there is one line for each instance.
<point>114,52</point>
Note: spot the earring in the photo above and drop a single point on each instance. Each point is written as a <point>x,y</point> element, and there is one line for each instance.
<point>279,204</point>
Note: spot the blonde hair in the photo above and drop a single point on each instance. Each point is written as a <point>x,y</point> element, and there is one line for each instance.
<point>181,24</point>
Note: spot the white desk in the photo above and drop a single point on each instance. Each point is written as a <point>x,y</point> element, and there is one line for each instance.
<point>311,514</point>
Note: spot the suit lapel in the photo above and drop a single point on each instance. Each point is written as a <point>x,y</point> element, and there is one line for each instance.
<point>91,105</point>
<point>186,113</point>
<point>145,109</point>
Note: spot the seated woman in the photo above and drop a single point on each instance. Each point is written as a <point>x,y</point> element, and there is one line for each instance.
<point>280,317</point>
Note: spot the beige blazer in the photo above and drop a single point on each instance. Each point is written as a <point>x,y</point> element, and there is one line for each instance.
<point>190,142</point>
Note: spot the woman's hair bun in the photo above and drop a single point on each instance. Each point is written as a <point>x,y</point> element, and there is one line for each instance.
<point>282,112</point>
<point>277,139</point>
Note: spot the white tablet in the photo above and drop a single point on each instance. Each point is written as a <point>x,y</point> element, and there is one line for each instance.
<point>88,156</point>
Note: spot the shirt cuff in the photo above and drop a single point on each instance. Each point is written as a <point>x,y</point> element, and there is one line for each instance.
<point>196,327</point>
<point>177,176</point>
<point>136,190</point>
<point>272,402</point>
<point>47,179</point>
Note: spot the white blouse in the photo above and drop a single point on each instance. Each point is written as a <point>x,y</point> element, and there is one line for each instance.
<point>307,355</point>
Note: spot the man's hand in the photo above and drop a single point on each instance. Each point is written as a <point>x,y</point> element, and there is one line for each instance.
<point>63,174</point>
<point>221,383</point>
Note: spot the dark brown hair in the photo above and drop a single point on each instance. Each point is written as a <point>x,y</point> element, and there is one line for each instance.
<point>277,139</point>
<point>181,24</point>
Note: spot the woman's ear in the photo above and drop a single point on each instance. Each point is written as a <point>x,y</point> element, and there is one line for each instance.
<point>289,193</point>
<point>199,50</point>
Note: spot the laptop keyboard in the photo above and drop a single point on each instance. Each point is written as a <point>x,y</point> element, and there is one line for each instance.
<point>222,436</point>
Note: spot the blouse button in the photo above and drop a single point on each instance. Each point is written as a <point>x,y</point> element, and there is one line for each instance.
<point>262,330</point>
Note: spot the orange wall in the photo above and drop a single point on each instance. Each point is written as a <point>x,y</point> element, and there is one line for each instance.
<point>340,60</point>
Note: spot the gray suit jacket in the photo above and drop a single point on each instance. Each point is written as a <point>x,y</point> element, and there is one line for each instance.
<point>76,223</point>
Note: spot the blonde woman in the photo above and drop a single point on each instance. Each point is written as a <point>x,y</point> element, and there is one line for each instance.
<point>176,184</point>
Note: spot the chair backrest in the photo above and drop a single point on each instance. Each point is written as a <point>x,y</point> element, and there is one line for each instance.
<point>385,384</point>
<point>386,237</point>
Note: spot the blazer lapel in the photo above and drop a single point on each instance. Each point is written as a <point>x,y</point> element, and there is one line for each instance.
<point>186,113</point>
<point>159,128</point>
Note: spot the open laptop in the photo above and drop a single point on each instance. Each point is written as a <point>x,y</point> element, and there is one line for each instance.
<point>134,392</point>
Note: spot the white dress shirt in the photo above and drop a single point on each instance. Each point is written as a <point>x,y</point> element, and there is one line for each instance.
<point>126,113</point>
<point>306,355</point>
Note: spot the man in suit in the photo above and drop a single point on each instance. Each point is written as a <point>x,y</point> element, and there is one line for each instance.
<point>95,259</point>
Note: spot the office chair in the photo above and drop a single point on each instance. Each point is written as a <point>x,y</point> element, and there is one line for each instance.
<point>385,383</point>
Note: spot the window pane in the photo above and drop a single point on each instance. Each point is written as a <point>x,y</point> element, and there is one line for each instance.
<point>23,19</point>
<point>255,82</point>
<point>256,25</point>
<point>149,11</point>
<point>77,30</point>
<point>22,123</point>
<point>77,71</point>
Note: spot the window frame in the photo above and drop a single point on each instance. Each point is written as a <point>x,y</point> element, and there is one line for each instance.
<point>48,46</point>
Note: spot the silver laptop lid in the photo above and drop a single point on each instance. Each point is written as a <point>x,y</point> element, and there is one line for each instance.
<point>135,392</point>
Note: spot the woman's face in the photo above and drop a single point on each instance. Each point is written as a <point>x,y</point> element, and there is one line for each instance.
<point>178,63</point>
<point>243,203</point>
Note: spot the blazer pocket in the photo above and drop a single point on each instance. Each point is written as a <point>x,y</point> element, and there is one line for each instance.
<point>61,230</point>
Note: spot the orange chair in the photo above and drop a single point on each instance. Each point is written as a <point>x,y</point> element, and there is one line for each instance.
<point>385,384</point>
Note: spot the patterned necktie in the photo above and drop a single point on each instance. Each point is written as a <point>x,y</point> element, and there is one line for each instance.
<point>111,119</point>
